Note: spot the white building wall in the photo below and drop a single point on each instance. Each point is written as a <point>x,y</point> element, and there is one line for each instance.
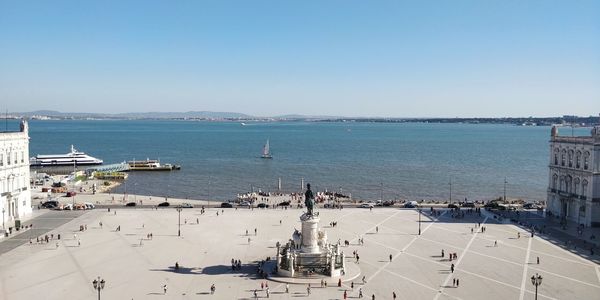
<point>15,194</point>
<point>574,178</point>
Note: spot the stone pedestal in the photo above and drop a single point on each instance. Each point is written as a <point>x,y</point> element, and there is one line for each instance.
<point>310,234</point>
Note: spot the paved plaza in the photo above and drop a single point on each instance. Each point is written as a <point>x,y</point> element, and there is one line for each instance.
<point>137,267</point>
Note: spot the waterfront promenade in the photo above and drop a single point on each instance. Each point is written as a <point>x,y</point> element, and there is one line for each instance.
<point>136,267</point>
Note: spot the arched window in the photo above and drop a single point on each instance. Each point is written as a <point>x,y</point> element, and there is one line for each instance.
<point>586,160</point>
<point>562,183</point>
<point>576,186</point>
<point>554,181</point>
<point>563,157</point>
<point>584,185</point>
<point>556,156</point>
<point>571,158</point>
<point>569,184</point>
<point>578,160</point>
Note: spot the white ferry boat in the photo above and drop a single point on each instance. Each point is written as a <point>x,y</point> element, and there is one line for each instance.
<point>151,165</point>
<point>74,158</point>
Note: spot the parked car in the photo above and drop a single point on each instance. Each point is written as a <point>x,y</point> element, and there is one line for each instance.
<point>67,206</point>
<point>388,203</point>
<point>263,205</point>
<point>131,204</point>
<point>411,204</point>
<point>284,203</point>
<point>367,205</point>
<point>89,205</point>
<point>164,204</point>
<point>50,204</point>
<point>452,205</point>
<point>244,203</point>
<point>79,206</point>
<point>468,204</point>
<point>185,205</point>
<point>379,203</point>
<point>226,205</point>
<point>492,205</point>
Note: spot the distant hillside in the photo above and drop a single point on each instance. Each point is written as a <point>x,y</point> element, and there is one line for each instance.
<point>138,115</point>
<point>189,114</point>
<point>304,117</point>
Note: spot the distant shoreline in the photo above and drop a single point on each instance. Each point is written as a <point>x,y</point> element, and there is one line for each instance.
<point>575,121</point>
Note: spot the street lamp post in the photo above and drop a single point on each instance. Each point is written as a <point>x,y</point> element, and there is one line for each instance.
<point>536,280</point>
<point>505,182</point>
<point>208,192</point>
<point>98,285</point>
<point>179,222</point>
<point>3,211</point>
<point>450,184</point>
<point>419,221</point>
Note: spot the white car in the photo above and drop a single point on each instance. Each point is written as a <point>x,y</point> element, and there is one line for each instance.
<point>245,203</point>
<point>367,205</point>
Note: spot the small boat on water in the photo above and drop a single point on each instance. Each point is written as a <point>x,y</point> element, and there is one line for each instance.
<point>69,159</point>
<point>266,153</point>
<point>151,165</point>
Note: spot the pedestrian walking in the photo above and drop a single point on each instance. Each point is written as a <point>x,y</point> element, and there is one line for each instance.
<point>442,253</point>
<point>340,282</point>
<point>495,243</point>
<point>212,289</point>
<point>452,268</point>
<point>394,295</point>
<point>364,279</point>
<point>390,258</point>
<point>457,282</point>
<point>357,258</point>
<point>262,286</point>
<point>165,289</point>
<point>360,294</point>
<point>255,294</point>
<point>255,231</point>
<point>345,295</point>
<point>287,288</point>
<point>538,260</point>
<point>352,285</point>
<point>79,243</point>
<point>454,282</point>
<point>372,296</point>
<point>308,289</point>
<point>376,229</point>
<point>268,292</point>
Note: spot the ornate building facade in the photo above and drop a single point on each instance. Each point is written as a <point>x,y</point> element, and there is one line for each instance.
<point>574,179</point>
<point>15,194</point>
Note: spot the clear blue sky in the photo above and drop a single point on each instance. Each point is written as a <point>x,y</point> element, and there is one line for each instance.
<point>354,58</point>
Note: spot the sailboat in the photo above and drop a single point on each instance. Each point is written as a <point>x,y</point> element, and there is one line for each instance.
<point>266,153</point>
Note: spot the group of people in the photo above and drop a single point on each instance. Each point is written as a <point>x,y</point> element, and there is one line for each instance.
<point>236,264</point>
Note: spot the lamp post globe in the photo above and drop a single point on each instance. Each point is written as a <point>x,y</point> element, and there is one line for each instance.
<point>536,280</point>
<point>98,285</point>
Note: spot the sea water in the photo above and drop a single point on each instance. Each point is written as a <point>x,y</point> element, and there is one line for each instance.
<point>367,160</point>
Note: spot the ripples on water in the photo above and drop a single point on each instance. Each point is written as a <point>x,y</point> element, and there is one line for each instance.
<point>409,161</point>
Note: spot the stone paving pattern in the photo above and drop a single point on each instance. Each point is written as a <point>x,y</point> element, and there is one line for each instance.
<point>135,267</point>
